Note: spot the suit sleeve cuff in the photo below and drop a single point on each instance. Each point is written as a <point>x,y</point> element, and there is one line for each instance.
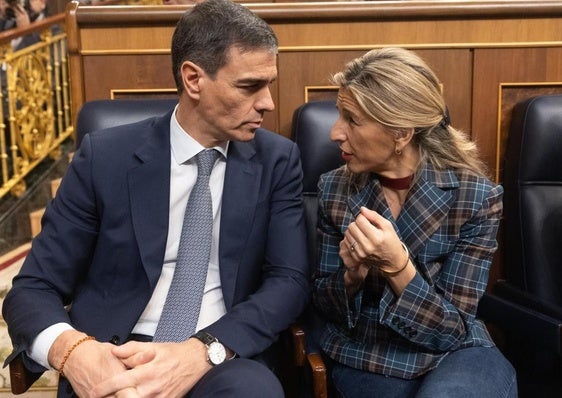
<point>39,350</point>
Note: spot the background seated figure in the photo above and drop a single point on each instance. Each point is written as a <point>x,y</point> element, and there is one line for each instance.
<point>407,232</point>
<point>16,14</point>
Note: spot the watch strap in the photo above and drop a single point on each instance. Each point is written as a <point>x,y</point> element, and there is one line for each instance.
<point>207,339</point>
<point>204,337</point>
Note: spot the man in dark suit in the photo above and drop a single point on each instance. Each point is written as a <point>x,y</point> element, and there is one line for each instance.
<point>99,272</point>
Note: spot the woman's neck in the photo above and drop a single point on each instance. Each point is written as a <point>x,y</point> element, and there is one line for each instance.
<point>398,184</point>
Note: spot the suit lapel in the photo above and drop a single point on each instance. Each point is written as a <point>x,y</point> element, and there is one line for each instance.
<point>428,202</point>
<point>371,197</point>
<point>149,189</point>
<point>239,201</point>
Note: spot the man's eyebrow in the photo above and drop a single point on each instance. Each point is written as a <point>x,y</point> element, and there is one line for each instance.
<point>256,80</point>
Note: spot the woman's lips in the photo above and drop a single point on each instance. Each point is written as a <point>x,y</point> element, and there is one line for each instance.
<point>346,156</point>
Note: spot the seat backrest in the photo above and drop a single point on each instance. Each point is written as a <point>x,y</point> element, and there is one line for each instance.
<point>311,127</point>
<point>532,179</point>
<point>101,114</point>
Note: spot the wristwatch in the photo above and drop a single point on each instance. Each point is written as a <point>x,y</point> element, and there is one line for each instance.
<point>216,352</point>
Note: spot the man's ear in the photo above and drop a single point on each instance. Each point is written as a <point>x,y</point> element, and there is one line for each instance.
<point>191,74</point>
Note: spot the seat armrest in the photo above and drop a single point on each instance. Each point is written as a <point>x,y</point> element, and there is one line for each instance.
<point>299,344</point>
<point>20,377</point>
<point>308,354</point>
<point>514,318</point>
<point>512,293</point>
<point>319,375</point>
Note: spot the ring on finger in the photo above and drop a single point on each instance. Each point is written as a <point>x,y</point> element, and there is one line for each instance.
<point>352,248</point>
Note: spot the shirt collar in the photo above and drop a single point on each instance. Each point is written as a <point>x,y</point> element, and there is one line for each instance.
<point>184,147</point>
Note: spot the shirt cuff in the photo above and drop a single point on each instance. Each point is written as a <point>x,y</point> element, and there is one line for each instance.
<point>39,350</point>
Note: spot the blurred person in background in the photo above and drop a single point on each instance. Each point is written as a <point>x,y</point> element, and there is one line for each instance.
<point>18,14</point>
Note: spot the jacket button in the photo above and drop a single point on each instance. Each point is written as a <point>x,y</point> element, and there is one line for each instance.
<point>114,340</point>
<point>395,320</point>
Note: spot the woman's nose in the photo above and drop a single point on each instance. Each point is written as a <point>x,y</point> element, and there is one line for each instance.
<point>337,133</point>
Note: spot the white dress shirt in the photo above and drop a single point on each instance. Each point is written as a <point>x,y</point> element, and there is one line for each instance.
<point>182,179</point>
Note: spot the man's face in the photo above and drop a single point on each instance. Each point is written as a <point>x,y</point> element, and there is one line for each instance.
<point>231,106</point>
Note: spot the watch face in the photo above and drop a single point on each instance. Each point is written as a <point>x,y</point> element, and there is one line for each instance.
<point>216,352</point>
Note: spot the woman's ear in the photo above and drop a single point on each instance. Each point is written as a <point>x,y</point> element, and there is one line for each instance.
<point>191,75</point>
<point>403,137</point>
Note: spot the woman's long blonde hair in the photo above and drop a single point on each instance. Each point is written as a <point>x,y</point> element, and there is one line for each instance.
<point>397,89</point>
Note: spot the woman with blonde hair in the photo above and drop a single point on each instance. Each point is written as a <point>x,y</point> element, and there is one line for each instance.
<point>407,232</point>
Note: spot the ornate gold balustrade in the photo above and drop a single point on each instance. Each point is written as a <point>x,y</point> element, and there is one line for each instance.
<point>35,116</point>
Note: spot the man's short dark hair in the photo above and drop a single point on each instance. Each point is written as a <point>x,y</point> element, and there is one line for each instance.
<point>205,34</point>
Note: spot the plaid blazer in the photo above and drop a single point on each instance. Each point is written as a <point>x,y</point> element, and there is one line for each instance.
<point>449,223</point>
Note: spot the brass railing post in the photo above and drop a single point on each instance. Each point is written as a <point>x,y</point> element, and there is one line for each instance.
<point>35,111</point>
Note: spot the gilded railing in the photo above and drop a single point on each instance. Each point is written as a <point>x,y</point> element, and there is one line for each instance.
<point>35,116</point>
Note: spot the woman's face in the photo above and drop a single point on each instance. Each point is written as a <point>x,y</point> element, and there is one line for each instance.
<point>365,144</point>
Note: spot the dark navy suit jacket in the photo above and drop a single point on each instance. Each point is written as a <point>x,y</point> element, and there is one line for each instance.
<point>99,255</point>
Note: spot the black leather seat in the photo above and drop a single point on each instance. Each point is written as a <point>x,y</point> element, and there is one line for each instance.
<point>311,127</point>
<point>100,114</point>
<point>527,305</point>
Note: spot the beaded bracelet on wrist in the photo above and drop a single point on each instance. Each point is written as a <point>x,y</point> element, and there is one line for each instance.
<point>69,351</point>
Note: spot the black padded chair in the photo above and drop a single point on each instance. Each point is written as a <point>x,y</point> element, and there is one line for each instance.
<point>100,114</point>
<point>527,306</point>
<point>311,127</point>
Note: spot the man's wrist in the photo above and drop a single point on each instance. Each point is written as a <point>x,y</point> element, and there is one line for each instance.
<point>70,351</point>
<point>352,285</point>
<point>229,353</point>
<point>217,352</point>
<point>39,349</point>
<point>61,345</point>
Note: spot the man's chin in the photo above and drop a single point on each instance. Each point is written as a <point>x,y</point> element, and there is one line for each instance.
<point>247,135</point>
